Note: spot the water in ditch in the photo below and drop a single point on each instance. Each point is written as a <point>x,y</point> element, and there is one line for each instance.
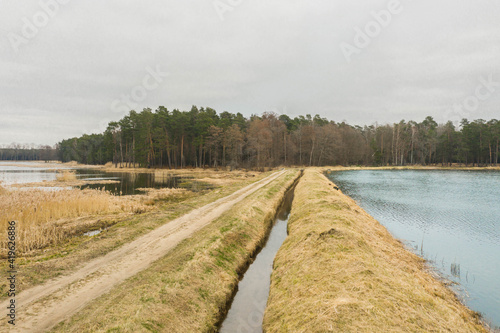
<point>247,309</point>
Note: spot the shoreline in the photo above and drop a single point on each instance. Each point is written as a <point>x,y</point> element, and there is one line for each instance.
<point>411,167</point>
<point>374,283</point>
<point>331,218</point>
<point>456,287</point>
<point>109,167</point>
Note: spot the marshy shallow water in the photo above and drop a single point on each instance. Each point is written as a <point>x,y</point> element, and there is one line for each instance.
<point>130,182</point>
<point>27,172</point>
<point>127,183</point>
<point>451,218</point>
<point>247,309</point>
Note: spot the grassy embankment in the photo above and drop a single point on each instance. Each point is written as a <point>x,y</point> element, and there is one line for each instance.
<point>339,270</point>
<point>188,290</point>
<point>51,224</point>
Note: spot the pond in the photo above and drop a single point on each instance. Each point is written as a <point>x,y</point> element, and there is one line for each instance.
<point>451,218</point>
<point>28,172</point>
<point>127,183</point>
<point>130,182</point>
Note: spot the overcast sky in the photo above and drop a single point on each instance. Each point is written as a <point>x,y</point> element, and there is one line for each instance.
<point>71,66</point>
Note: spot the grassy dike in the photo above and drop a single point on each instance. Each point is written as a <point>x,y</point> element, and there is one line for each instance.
<point>339,270</point>
<point>189,290</point>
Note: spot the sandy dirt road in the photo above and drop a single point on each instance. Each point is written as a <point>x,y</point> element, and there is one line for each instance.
<point>42,307</point>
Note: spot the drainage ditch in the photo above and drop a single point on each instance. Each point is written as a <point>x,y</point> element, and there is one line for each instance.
<point>247,308</point>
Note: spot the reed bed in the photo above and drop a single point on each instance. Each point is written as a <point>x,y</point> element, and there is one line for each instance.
<point>41,215</point>
<point>66,176</point>
<point>164,193</point>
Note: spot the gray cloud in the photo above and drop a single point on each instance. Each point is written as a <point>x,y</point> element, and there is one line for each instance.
<point>281,55</point>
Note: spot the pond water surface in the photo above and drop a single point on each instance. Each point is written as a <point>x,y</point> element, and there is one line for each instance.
<point>130,182</point>
<point>27,172</point>
<point>127,183</point>
<point>451,218</point>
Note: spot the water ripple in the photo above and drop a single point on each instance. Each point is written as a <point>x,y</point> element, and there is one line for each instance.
<point>455,215</point>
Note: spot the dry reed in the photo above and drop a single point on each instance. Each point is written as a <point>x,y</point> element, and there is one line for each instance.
<point>163,193</point>
<point>39,213</point>
<point>66,176</point>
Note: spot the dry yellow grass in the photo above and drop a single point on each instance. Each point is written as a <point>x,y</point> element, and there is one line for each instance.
<point>76,165</point>
<point>163,193</point>
<point>210,176</point>
<point>42,265</point>
<point>65,183</point>
<point>339,270</point>
<point>188,290</point>
<point>48,217</point>
<point>40,214</point>
<point>193,172</point>
<point>66,176</point>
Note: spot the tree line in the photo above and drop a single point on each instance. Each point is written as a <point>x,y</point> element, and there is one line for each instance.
<point>203,138</point>
<point>28,152</point>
